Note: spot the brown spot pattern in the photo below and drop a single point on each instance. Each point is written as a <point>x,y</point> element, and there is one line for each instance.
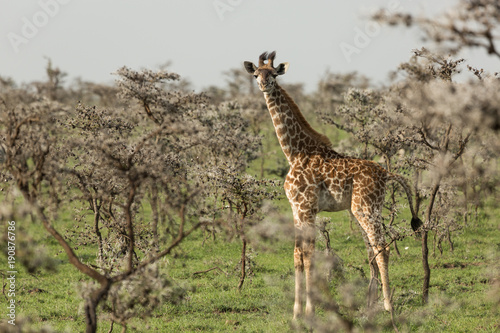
<point>320,179</point>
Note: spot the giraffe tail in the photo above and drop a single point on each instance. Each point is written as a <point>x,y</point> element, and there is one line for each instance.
<point>416,222</point>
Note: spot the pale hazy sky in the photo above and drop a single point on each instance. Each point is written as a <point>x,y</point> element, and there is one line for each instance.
<point>203,38</point>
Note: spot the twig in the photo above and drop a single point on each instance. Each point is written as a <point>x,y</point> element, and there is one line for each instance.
<point>380,251</point>
<point>111,327</point>
<point>149,113</point>
<point>159,255</point>
<point>211,269</point>
<point>3,290</point>
<point>392,313</point>
<point>425,141</point>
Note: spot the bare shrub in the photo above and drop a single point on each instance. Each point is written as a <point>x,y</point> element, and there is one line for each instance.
<point>469,24</point>
<point>154,149</point>
<point>433,129</point>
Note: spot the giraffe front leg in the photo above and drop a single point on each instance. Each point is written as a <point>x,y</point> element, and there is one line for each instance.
<point>308,255</point>
<point>298,262</point>
<point>303,202</point>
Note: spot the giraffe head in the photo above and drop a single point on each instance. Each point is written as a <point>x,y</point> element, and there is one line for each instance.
<point>266,73</point>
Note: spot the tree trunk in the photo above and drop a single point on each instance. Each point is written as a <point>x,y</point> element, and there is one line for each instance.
<point>130,229</point>
<point>97,230</point>
<point>154,222</point>
<point>91,306</point>
<point>243,263</point>
<point>425,248</point>
<point>448,237</point>
<point>427,269</point>
<point>395,244</point>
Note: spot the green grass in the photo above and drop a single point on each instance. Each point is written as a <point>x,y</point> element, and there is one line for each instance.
<point>212,304</point>
<point>459,302</point>
<point>459,295</point>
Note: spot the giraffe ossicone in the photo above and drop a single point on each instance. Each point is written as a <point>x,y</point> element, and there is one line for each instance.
<point>320,179</point>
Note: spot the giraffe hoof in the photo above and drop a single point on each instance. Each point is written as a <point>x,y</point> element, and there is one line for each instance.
<point>387,306</point>
<point>309,311</point>
<point>297,312</point>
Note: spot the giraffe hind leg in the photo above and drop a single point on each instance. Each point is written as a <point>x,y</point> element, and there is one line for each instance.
<point>372,226</point>
<point>382,258</point>
<point>374,271</point>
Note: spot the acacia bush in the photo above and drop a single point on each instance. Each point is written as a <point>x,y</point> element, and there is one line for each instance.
<point>468,24</point>
<point>140,165</point>
<point>441,134</point>
<point>434,130</point>
<point>135,175</point>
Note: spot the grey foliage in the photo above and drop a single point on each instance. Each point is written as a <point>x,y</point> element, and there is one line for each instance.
<point>155,147</point>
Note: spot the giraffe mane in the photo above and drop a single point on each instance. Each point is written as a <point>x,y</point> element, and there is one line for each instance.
<point>300,118</point>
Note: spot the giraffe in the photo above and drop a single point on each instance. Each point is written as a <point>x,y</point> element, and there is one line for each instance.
<point>320,179</point>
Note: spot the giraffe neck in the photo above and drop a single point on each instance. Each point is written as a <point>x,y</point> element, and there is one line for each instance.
<point>296,136</point>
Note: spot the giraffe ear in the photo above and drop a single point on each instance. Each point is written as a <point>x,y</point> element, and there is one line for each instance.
<point>250,67</point>
<point>282,68</point>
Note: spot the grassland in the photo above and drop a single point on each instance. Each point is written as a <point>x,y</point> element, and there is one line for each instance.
<point>461,299</point>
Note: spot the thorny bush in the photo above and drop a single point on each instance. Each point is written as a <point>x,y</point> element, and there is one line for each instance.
<point>153,150</point>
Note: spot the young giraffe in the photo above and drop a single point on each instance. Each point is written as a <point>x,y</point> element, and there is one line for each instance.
<point>320,179</point>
